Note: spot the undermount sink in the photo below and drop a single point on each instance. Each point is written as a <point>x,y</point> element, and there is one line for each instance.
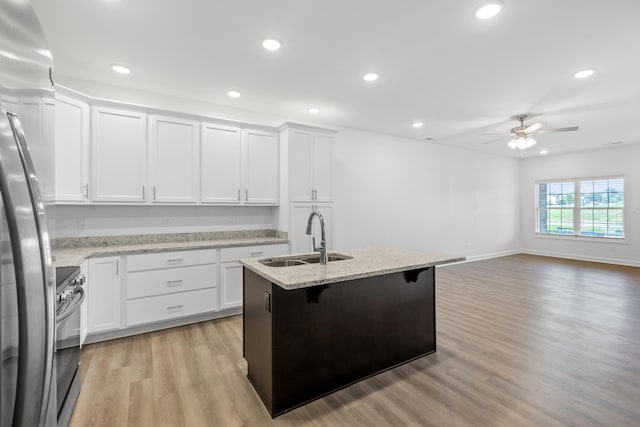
<point>298,260</point>
<point>331,257</point>
<point>282,262</point>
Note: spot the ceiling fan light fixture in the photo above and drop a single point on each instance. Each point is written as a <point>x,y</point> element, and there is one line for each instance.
<point>488,9</point>
<point>584,73</point>
<point>522,143</point>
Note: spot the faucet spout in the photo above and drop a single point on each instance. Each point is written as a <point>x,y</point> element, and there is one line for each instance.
<point>324,259</point>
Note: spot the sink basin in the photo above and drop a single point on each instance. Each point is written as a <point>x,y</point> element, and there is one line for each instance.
<point>301,260</point>
<point>314,259</point>
<point>282,262</point>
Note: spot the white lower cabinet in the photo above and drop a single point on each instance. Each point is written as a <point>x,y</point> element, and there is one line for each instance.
<point>103,291</point>
<point>231,270</point>
<point>166,307</point>
<point>170,285</point>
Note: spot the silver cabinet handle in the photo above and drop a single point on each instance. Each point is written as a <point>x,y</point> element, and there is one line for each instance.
<point>254,254</point>
<point>143,193</point>
<point>175,307</point>
<point>246,195</point>
<point>86,191</point>
<point>154,192</point>
<point>238,195</point>
<point>312,194</point>
<point>175,260</point>
<point>178,282</point>
<point>117,266</point>
<point>315,194</point>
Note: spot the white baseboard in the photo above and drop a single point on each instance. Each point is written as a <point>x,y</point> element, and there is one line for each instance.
<point>627,262</point>
<point>615,261</point>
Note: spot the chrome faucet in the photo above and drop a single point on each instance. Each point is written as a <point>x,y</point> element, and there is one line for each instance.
<point>324,259</point>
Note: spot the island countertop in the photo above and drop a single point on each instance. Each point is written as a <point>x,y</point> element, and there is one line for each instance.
<point>366,262</point>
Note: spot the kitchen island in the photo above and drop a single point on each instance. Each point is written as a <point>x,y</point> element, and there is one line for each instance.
<point>310,329</point>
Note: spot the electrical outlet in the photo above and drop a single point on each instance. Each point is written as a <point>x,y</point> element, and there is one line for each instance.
<point>166,221</point>
<point>82,223</point>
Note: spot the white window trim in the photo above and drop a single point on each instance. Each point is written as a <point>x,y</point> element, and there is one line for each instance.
<point>576,212</point>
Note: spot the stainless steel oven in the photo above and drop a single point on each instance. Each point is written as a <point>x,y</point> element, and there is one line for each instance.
<point>70,294</point>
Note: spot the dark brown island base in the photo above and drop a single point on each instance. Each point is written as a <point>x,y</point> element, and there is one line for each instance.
<point>312,329</point>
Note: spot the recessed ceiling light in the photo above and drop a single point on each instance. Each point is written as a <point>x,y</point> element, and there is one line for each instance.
<point>314,110</point>
<point>489,10</point>
<point>121,69</point>
<point>543,152</point>
<point>370,77</point>
<point>233,94</point>
<point>417,125</point>
<point>584,73</point>
<point>271,44</point>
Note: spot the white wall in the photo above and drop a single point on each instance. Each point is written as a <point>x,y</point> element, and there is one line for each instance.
<point>605,162</point>
<point>77,221</point>
<point>393,191</point>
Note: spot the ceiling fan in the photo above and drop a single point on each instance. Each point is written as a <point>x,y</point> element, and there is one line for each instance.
<point>521,135</point>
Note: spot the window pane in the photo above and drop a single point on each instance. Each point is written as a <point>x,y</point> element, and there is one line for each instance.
<point>586,222</point>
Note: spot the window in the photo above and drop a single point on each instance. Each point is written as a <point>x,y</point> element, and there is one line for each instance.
<point>592,207</point>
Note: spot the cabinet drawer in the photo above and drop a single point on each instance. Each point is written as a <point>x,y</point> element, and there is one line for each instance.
<point>262,251</point>
<point>170,259</point>
<point>165,307</point>
<point>166,281</point>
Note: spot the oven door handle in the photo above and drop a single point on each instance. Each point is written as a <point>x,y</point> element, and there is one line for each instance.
<point>75,304</point>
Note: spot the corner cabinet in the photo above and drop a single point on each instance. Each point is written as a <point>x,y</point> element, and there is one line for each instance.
<point>173,161</point>
<point>103,292</point>
<point>71,150</point>
<point>311,166</point>
<point>118,155</point>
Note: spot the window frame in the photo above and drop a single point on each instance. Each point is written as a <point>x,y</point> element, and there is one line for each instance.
<point>577,210</point>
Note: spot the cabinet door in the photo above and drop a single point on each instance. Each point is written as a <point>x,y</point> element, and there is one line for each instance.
<point>174,160</point>
<point>118,155</point>
<point>231,285</point>
<point>261,167</point>
<point>300,165</point>
<point>221,164</point>
<point>71,150</point>
<point>323,167</point>
<point>37,119</point>
<point>103,287</point>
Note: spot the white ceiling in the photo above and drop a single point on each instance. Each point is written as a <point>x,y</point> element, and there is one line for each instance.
<point>437,63</point>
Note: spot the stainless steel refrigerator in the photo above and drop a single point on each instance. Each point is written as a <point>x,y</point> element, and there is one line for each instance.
<point>26,276</point>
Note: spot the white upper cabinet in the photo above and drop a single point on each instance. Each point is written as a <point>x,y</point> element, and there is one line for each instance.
<point>261,173</point>
<point>118,155</point>
<point>311,166</point>
<point>173,162</point>
<point>71,150</point>
<point>221,164</point>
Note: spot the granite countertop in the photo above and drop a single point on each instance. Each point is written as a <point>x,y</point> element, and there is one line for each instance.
<point>75,252</point>
<point>366,262</point>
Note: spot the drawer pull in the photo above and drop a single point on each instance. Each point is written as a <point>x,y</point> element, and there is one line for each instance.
<point>175,307</point>
<point>179,282</point>
<point>256,253</point>
<point>175,260</point>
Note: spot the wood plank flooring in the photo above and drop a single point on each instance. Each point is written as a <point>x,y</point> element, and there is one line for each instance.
<point>522,341</point>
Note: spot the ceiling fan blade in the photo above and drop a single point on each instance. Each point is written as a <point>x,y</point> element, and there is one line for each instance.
<point>492,134</point>
<point>554,130</point>
<point>534,127</point>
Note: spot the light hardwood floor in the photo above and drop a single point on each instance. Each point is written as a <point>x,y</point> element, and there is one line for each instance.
<point>522,340</point>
